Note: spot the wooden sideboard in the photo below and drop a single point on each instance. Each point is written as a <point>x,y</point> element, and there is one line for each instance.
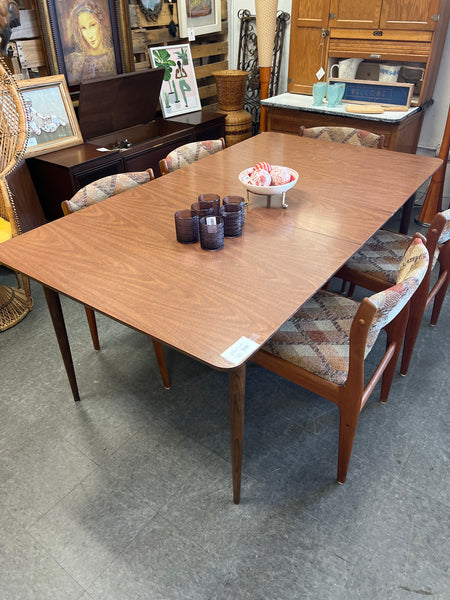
<point>58,175</point>
<point>287,112</point>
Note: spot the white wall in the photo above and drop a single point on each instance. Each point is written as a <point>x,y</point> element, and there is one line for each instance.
<point>436,115</point>
<point>234,6</point>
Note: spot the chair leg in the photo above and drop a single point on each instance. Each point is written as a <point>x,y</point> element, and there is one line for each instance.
<point>348,420</point>
<point>159,351</point>
<point>417,309</point>
<point>395,331</point>
<point>90,314</point>
<point>439,300</point>
<point>444,273</point>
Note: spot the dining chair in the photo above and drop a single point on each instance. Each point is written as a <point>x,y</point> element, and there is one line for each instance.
<point>344,135</point>
<point>323,346</point>
<point>375,267</point>
<point>106,187</point>
<point>189,153</point>
<point>94,192</point>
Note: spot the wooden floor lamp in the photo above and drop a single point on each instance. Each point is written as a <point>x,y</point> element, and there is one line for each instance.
<point>433,199</point>
<point>266,19</point>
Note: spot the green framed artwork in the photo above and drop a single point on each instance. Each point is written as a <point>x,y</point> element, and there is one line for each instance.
<point>179,92</point>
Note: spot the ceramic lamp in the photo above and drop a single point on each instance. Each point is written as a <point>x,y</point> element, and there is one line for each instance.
<point>266,19</point>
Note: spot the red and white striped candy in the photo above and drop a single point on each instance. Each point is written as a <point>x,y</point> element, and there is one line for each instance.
<point>263,165</point>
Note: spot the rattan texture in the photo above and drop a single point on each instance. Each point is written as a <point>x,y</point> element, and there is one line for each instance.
<point>231,85</point>
<point>15,303</point>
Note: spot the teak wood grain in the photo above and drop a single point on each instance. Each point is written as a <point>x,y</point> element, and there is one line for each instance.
<point>121,257</point>
<point>343,195</point>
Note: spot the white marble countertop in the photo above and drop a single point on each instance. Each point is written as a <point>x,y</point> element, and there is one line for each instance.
<point>303,102</point>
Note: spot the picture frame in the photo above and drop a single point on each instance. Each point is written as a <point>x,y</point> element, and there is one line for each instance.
<point>199,18</point>
<point>179,91</point>
<point>74,31</point>
<point>50,113</point>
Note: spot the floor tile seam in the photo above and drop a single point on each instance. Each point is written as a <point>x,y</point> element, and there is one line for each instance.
<point>419,490</point>
<point>55,504</point>
<point>125,548</point>
<point>54,559</point>
<point>101,463</point>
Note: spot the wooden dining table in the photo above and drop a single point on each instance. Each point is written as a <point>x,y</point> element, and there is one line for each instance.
<point>121,256</point>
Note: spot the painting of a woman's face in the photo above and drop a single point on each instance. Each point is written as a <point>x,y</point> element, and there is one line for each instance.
<point>90,29</point>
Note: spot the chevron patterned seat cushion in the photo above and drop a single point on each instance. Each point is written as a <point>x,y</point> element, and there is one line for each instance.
<point>317,337</point>
<point>106,187</point>
<point>381,255</point>
<point>189,153</point>
<point>343,135</point>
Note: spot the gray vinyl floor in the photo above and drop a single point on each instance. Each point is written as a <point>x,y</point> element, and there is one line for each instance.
<point>127,494</point>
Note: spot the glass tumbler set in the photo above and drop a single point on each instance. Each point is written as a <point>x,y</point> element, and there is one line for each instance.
<point>333,91</point>
<point>210,222</point>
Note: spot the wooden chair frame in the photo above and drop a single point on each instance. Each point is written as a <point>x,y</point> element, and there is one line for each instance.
<point>350,397</point>
<point>424,295</point>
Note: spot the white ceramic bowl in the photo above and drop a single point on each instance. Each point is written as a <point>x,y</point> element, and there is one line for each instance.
<point>268,190</point>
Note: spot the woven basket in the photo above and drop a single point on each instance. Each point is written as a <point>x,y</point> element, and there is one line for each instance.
<point>14,306</point>
<point>231,88</point>
<point>238,126</point>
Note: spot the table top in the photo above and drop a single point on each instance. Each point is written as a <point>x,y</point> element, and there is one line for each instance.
<point>304,102</point>
<point>121,256</point>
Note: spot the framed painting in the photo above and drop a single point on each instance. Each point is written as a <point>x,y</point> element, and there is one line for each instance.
<point>198,17</point>
<point>179,92</point>
<point>86,39</point>
<point>51,117</point>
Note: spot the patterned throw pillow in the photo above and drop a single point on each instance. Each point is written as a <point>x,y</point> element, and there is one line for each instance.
<point>5,230</point>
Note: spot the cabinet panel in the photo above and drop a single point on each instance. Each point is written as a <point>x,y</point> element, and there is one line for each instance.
<point>308,52</point>
<point>380,50</point>
<point>404,14</point>
<point>308,47</point>
<point>354,14</point>
<point>310,13</point>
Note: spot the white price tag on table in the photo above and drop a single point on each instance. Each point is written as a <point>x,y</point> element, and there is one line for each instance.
<point>238,351</point>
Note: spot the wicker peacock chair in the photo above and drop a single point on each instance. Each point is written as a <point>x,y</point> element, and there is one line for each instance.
<point>15,303</point>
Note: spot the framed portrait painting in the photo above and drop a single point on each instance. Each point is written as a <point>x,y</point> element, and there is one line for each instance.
<point>51,117</point>
<point>86,39</point>
<point>179,92</point>
<point>198,17</point>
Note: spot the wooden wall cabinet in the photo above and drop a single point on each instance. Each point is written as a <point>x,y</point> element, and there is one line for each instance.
<point>418,15</point>
<point>324,31</point>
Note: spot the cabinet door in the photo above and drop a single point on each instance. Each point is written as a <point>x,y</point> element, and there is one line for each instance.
<point>308,48</point>
<point>414,15</point>
<point>354,14</point>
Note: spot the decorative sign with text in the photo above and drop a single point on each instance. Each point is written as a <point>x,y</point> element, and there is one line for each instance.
<point>359,91</point>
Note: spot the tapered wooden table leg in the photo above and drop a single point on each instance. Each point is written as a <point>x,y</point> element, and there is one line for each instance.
<point>236,385</point>
<point>56,314</point>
